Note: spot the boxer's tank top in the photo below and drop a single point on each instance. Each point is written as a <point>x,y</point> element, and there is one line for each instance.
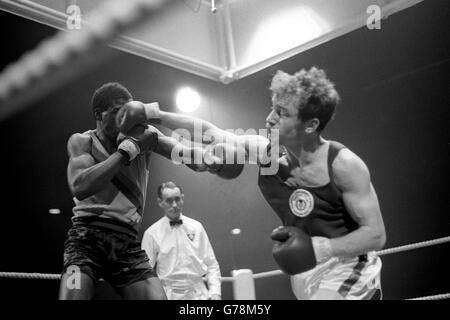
<point>123,198</point>
<point>319,211</point>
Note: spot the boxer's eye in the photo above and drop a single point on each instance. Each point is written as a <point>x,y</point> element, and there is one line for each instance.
<point>115,110</point>
<point>283,112</point>
<point>277,110</point>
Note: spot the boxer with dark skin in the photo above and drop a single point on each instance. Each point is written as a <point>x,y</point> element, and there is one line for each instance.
<point>108,175</point>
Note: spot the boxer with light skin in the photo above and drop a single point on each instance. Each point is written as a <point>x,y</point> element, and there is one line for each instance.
<point>322,192</point>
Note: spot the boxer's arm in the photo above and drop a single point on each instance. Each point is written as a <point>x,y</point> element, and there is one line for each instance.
<point>86,178</point>
<point>174,150</point>
<point>255,145</point>
<point>353,179</point>
<point>195,127</point>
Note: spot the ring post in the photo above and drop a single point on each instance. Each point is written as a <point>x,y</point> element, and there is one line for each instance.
<point>243,284</point>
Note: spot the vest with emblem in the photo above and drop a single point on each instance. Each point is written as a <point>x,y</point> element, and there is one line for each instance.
<point>123,198</point>
<point>319,211</point>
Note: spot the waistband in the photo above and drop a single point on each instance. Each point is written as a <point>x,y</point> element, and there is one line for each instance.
<point>103,223</point>
<point>183,285</point>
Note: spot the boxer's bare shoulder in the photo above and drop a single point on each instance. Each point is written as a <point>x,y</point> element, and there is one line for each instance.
<point>79,143</point>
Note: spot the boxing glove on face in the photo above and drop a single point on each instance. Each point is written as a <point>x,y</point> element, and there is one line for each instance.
<point>136,112</point>
<point>137,142</point>
<point>293,250</point>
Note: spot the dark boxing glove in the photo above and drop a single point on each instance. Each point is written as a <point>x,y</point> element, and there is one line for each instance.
<point>134,113</point>
<point>137,142</point>
<point>225,160</point>
<point>293,250</point>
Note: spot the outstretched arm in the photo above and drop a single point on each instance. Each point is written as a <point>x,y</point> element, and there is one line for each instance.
<point>254,145</point>
<point>208,132</point>
<point>190,128</point>
<point>135,112</point>
<point>174,150</point>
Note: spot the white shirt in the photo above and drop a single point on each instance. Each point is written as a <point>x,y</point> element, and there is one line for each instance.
<point>182,254</point>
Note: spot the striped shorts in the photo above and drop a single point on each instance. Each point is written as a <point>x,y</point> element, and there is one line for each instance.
<point>354,279</point>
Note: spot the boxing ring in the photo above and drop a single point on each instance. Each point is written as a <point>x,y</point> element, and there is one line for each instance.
<point>243,280</point>
<point>64,56</point>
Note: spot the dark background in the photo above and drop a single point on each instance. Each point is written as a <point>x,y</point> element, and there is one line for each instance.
<point>394,85</point>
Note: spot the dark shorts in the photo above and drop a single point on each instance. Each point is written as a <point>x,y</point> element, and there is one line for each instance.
<point>101,253</point>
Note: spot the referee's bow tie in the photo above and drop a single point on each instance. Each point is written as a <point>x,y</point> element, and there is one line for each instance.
<point>175,222</point>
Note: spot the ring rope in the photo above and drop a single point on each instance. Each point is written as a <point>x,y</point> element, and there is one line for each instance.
<point>24,275</point>
<point>435,297</point>
<point>46,276</point>
<point>55,276</point>
<point>414,246</point>
<point>407,247</point>
<point>267,274</point>
<point>36,71</point>
<point>260,275</point>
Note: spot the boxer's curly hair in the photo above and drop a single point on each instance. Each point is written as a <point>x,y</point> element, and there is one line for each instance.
<point>104,96</point>
<point>314,93</point>
<point>165,185</point>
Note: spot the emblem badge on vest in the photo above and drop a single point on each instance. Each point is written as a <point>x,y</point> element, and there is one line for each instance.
<point>301,202</point>
<point>191,236</point>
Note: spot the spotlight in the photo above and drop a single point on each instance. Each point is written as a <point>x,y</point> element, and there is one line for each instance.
<point>187,100</point>
<point>54,211</point>
<point>236,231</point>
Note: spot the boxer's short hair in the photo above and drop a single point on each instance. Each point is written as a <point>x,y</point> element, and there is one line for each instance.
<point>315,94</point>
<point>104,96</point>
